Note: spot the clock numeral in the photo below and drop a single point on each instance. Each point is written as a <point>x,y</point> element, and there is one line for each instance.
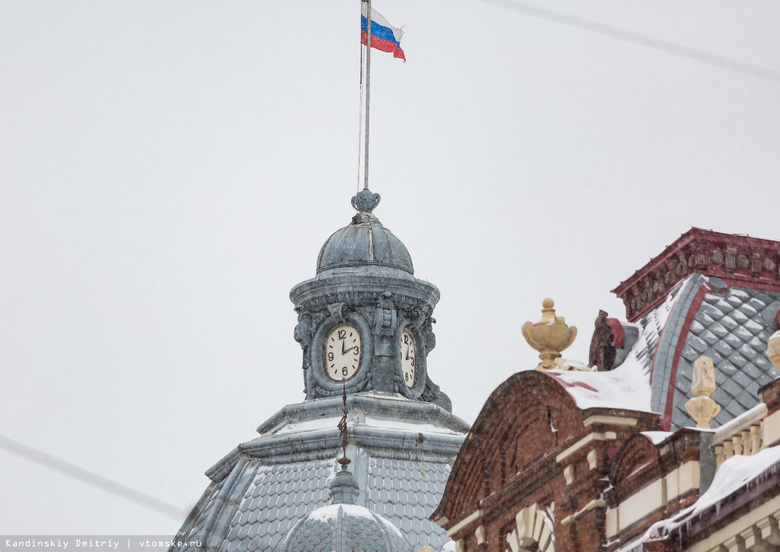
<point>411,359</point>
<point>345,371</point>
<point>406,339</point>
<point>330,356</point>
<point>356,350</point>
<point>342,334</point>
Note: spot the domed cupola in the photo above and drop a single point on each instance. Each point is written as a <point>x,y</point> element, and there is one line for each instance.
<point>364,320</point>
<point>343,526</point>
<point>364,244</point>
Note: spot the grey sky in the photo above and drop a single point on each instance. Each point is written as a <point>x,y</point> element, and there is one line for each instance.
<point>169,170</point>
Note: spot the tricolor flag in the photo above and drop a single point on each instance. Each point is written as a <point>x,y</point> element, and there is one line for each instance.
<point>384,36</point>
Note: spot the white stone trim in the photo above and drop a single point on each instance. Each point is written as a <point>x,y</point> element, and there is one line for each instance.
<point>531,531</point>
<point>740,423</point>
<point>653,496</point>
<point>611,420</point>
<point>613,522</point>
<point>638,505</point>
<point>442,521</point>
<point>682,480</point>
<point>568,474</point>
<point>771,430</point>
<point>465,522</point>
<point>589,438</point>
<point>593,459</point>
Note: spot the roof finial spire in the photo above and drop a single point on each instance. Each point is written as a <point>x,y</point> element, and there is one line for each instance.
<point>344,461</point>
<point>344,489</point>
<point>365,201</point>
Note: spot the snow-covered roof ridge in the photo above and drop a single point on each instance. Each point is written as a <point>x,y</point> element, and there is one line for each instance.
<point>627,387</point>
<point>378,404</point>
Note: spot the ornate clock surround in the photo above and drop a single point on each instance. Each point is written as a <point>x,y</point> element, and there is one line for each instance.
<point>416,390</point>
<point>318,362</point>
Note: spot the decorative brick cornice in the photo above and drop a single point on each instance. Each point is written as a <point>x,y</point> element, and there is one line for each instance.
<point>741,260</point>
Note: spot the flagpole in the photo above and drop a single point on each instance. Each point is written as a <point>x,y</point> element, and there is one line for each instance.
<point>368,90</point>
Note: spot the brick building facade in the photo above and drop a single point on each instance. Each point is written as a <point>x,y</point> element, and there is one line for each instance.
<point>607,459</point>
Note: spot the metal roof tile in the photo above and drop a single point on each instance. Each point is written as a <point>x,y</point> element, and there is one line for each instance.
<point>723,348</point>
<point>710,312</point>
<point>406,525</point>
<point>748,352</point>
<point>720,396</point>
<point>719,330</point>
<point>742,379</point>
<point>728,322</point>
<point>709,338</point>
<point>733,408</point>
<point>739,316</point>
<point>731,387</point>
<point>746,399</point>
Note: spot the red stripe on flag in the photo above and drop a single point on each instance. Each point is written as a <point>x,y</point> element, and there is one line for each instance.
<point>383,45</point>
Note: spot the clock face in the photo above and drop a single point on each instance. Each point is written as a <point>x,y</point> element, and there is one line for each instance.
<point>409,358</point>
<point>342,352</point>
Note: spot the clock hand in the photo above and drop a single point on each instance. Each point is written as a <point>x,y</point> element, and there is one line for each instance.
<point>343,350</point>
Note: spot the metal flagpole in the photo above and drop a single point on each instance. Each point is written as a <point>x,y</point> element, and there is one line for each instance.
<point>368,89</point>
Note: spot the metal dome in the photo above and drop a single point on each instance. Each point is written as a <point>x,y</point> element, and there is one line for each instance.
<point>343,526</point>
<point>364,242</point>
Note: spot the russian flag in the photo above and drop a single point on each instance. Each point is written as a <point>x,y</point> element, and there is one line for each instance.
<point>384,36</point>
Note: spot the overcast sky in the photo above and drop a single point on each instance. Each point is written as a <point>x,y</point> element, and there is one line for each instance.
<point>169,171</point>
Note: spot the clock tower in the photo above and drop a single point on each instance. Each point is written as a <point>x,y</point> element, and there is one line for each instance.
<point>364,320</point>
<point>365,326</point>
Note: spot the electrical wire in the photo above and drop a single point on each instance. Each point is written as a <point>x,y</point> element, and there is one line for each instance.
<point>636,38</point>
<point>91,478</point>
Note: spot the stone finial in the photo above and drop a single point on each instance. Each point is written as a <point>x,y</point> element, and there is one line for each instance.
<point>550,335</point>
<point>773,349</point>
<point>702,408</point>
<point>365,201</point>
<point>344,489</point>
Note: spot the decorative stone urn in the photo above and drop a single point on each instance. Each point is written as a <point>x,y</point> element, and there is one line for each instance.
<point>550,335</point>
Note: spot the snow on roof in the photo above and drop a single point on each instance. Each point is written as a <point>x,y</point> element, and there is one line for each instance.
<point>734,473</point>
<point>386,423</point>
<point>330,512</point>
<point>626,387</point>
<point>657,437</point>
<point>331,422</point>
<point>651,327</point>
<point>448,546</point>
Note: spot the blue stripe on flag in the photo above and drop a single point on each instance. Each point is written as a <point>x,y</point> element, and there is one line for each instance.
<point>378,30</point>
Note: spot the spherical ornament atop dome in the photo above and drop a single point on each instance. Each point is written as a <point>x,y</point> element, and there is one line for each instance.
<point>364,244</point>
<point>343,526</point>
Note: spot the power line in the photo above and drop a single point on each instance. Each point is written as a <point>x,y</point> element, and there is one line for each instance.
<point>636,38</point>
<point>86,476</point>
